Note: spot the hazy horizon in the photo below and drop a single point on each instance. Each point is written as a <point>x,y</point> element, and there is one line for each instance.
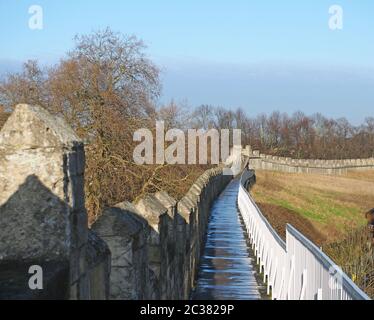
<point>258,55</point>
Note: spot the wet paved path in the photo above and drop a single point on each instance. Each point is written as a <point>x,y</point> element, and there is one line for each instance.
<point>226,271</point>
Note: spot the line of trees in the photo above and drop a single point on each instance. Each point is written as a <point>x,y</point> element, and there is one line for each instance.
<point>106,88</point>
<point>297,135</point>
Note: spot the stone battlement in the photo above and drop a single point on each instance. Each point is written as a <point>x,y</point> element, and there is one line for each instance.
<point>261,161</point>
<point>145,250</point>
<point>156,243</point>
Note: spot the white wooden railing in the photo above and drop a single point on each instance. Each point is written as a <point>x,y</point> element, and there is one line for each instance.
<point>296,269</point>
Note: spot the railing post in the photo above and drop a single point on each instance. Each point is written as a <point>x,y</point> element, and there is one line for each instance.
<point>290,280</point>
<point>274,275</point>
<point>305,283</point>
<point>281,284</point>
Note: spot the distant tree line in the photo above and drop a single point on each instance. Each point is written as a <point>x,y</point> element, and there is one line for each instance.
<point>297,135</point>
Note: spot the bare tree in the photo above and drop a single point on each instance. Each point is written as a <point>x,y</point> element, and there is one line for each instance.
<point>106,88</point>
<point>175,115</point>
<point>27,86</point>
<point>203,117</point>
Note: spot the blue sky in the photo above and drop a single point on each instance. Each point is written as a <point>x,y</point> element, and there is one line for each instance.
<point>261,55</point>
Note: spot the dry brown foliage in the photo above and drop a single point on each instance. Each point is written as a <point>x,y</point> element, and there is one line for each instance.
<point>105,89</point>
<point>355,254</point>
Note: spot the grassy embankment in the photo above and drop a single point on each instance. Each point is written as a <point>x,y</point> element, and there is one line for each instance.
<point>329,210</point>
<point>326,208</point>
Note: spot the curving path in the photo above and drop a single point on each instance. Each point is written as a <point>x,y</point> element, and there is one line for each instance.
<point>226,271</point>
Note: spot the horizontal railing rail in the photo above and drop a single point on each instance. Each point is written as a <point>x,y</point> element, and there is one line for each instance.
<point>296,269</point>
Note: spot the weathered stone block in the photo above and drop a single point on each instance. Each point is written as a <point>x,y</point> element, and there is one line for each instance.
<point>98,259</point>
<point>42,212</point>
<point>125,232</point>
<point>34,187</point>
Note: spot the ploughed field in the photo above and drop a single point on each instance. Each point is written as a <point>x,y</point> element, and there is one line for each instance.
<point>324,208</point>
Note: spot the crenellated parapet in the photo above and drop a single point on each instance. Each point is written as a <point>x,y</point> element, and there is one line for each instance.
<point>261,161</point>
<point>149,249</point>
<point>171,234</point>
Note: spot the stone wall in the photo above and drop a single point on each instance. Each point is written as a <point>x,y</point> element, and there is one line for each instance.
<point>261,161</point>
<point>156,243</point>
<point>43,220</point>
<point>146,250</point>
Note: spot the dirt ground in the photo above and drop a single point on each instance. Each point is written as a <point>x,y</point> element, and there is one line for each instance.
<point>279,217</point>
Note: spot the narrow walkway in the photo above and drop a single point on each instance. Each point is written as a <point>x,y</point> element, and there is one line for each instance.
<point>226,271</point>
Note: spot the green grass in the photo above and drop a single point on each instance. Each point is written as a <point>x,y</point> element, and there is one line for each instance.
<point>335,205</point>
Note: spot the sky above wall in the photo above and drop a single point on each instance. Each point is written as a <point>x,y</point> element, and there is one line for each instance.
<point>261,55</point>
